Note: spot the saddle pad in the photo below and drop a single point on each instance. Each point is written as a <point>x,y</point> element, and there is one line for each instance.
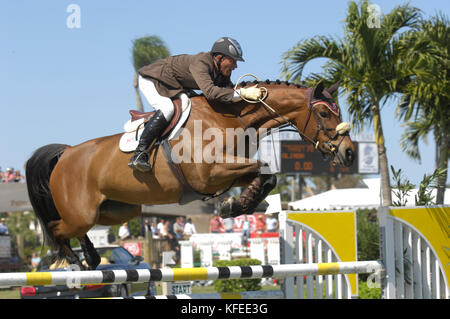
<point>129,142</point>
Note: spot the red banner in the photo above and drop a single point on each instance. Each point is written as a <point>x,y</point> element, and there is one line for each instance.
<point>134,248</point>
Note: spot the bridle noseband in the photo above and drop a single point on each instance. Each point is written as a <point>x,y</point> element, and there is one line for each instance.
<point>342,129</point>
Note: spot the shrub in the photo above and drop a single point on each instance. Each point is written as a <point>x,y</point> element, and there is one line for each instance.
<point>236,285</point>
<point>368,293</point>
<point>368,236</point>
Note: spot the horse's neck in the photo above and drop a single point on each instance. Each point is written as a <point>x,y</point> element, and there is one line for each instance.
<point>287,107</point>
<point>287,102</point>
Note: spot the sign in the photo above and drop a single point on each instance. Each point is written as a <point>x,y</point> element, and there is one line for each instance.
<point>133,248</point>
<point>177,288</point>
<point>300,157</point>
<point>14,197</point>
<point>368,158</point>
<point>257,250</point>
<point>273,251</point>
<point>181,288</point>
<point>186,254</point>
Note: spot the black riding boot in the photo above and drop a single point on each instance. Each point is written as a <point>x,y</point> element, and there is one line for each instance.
<point>153,130</point>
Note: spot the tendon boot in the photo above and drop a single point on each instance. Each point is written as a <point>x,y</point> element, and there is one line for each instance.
<point>152,131</point>
<point>250,198</point>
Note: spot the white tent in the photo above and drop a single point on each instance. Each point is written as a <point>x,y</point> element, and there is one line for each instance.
<point>349,198</point>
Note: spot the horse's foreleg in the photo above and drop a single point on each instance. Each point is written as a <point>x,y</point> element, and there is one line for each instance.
<point>232,169</point>
<point>250,198</point>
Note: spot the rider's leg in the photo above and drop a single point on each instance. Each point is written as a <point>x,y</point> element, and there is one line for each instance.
<point>154,127</point>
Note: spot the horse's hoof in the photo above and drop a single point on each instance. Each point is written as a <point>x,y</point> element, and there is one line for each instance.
<point>229,208</point>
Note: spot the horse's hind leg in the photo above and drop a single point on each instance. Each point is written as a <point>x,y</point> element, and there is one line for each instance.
<point>65,252</point>
<point>90,253</point>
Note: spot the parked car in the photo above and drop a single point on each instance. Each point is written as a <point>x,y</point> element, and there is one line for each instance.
<point>113,257</point>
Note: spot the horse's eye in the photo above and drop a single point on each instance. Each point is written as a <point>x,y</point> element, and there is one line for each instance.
<point>324,114</point>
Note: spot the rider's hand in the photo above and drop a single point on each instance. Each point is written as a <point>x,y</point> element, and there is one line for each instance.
<point>251,93</point>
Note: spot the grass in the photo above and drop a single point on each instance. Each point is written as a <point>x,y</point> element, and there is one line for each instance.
<point>9,293</point>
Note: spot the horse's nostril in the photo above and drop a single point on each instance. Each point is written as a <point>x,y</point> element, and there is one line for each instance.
<point>349,156</point>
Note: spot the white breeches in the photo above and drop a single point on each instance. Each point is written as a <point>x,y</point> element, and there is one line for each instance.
<point>157,101</point>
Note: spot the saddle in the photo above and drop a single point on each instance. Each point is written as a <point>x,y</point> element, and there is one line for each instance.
<point>137,115</point>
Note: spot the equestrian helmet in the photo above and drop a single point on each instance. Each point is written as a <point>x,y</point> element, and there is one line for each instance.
<point>229,47</point>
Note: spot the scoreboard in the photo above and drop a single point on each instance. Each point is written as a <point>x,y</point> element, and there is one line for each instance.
<point>300,157</point>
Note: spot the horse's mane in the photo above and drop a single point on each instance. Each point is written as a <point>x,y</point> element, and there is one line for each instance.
<point>271,83</point>
<point>266,82</point>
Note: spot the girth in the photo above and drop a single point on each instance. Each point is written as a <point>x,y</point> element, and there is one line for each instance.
<point>189,193</point>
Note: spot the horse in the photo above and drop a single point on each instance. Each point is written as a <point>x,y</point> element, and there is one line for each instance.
<point>73,188</point>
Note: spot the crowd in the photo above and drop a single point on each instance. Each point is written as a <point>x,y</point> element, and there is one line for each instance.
<point>11,176</point>
<point>264,224</point>
<point>163,228</point>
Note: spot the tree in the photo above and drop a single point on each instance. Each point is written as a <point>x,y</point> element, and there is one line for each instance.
<point>366,60</point>
<point>145,51</point>
<point>426,98</point>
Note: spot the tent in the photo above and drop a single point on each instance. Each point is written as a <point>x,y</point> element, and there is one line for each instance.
<point>350,198</point>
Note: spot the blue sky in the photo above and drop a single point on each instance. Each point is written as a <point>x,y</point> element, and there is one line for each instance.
<point>63,85</point>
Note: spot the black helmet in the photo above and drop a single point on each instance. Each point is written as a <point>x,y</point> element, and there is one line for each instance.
<point>228,46</point>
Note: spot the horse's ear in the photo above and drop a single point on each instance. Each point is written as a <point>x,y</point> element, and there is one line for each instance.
<point>334,87</point>
<point>318,89</point>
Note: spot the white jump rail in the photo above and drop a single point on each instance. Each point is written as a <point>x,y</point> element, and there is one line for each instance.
<point>183,274</point>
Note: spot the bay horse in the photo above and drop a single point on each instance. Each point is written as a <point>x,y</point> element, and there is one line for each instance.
<point>73,188</point>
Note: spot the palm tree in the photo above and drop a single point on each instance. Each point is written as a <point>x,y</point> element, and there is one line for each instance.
<point>426,97</point>
<point>366,62</point>
<point>145,51</point>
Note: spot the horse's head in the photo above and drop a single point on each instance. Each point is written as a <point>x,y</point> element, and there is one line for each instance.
<point>324,128</point>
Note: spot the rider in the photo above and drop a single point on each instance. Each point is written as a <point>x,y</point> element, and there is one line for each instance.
<point>164,79</point>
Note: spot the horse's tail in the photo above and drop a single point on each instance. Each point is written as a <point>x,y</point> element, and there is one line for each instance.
<point>37,171</point>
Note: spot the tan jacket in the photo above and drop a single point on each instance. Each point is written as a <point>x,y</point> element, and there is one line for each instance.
<point>177,73</point>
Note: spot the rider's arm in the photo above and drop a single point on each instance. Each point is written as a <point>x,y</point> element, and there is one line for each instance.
<point>201,71</point>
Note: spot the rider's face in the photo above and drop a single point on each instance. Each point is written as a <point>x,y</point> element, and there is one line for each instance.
<point>228,65</point>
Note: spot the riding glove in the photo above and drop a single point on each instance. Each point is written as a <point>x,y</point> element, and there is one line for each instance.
<point>251,93</point>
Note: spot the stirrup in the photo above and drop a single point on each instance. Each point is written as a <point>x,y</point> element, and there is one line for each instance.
<point>142,166</point>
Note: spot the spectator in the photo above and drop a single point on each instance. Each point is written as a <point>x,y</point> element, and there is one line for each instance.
<point>18,177</point>
<point>189,228</point>
<point>178,228</point>
<point>272,224</point>
<point>35,260</point>
<point>171,236</point>
<point>111,237</point>
<point>246,228</point>
<point>145,228</point>
<point>8,177</point>
<point>215,225</point>
<point>260,225</point>
<point>124,232</point>
<point>154,230</point>
<point>3,228</point>
<point>228,223</point>
<point>161,230</point>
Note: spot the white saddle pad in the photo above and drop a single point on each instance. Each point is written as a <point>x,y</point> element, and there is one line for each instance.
<point>129,142</point>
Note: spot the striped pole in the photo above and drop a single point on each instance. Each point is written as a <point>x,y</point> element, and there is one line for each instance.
<point>75,278</point>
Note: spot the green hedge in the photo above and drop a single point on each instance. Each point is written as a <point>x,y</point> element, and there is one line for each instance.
<point>236,285</point>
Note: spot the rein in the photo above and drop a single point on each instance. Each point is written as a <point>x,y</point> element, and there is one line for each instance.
<point>341,130</point>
